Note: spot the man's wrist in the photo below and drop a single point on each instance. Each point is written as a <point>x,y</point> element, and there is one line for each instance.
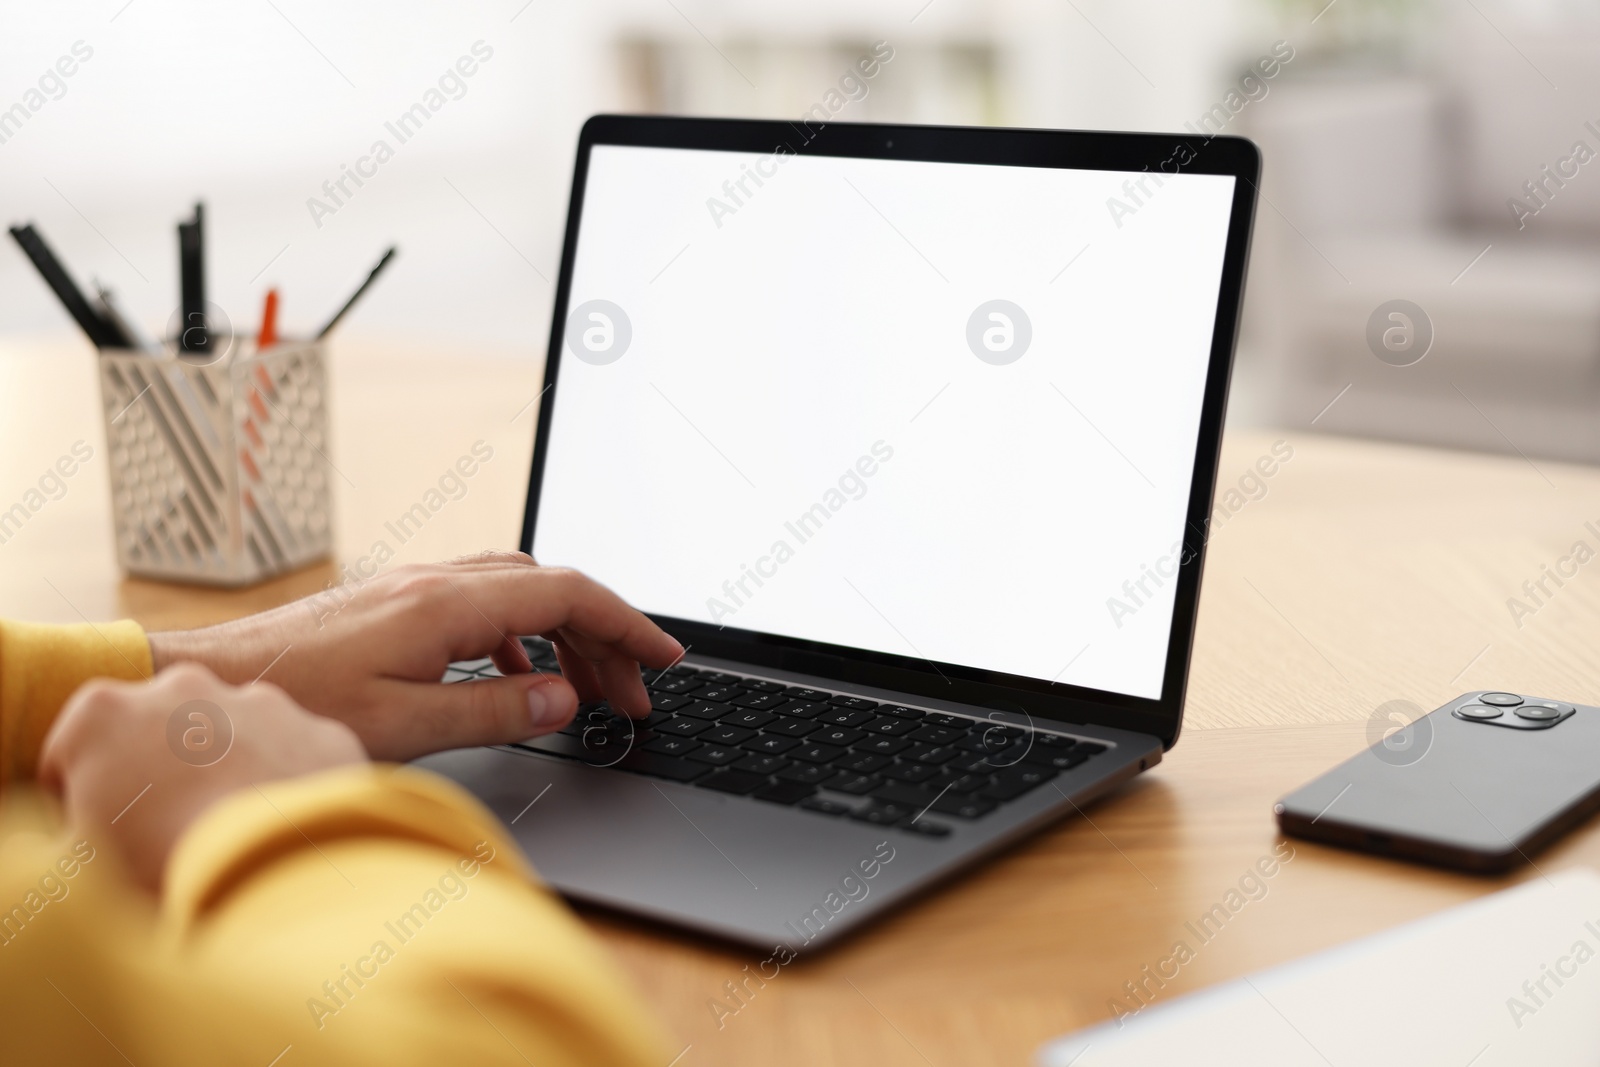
<point>193,646</point>
<point>172,646</point>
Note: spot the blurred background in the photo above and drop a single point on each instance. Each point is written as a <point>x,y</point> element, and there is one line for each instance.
<point>1437,152</point>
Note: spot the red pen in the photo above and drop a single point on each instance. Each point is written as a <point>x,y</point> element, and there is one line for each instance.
<point>268,334</point>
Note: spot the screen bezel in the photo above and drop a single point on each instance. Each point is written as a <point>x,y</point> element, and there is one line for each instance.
<point>1160,153</point>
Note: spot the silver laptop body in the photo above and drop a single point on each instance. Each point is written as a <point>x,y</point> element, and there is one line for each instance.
<point>910,436</point>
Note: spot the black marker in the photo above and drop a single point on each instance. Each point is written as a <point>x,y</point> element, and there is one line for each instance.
<point>103,333</point>
<point>122,324</point>
<point>357,294</point>
<point>193,334</point>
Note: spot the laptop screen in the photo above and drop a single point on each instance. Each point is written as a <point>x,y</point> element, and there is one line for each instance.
<point>941,410</point>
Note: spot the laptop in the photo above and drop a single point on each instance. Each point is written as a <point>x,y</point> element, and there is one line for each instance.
<point>909,434</point>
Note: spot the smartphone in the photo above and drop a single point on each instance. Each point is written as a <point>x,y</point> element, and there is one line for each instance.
<point>1480,785</point>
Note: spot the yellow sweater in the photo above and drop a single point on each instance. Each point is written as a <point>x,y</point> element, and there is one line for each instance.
<point>372,915</point>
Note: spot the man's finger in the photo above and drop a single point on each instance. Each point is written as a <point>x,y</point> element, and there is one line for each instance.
<point>430,717</point>
<point>534,600</point>
<point>520,559</point>
<point>623,686</point>
<point>576,669</point>
<point>511,657</point>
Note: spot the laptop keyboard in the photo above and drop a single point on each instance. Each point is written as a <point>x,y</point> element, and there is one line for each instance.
<point>831,753</point>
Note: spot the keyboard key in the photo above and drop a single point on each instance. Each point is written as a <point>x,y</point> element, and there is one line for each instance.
<point>1090,747</point>
<point>882,814</point>
<point>926,828</point>
<point>602,745</point>
<point>737,782</point>
<point>915,797</point>
<point>836,735</point>
<point>845,717</point>
<point>1044,740</point>
<point>812,773</point>
<point>863,762</point>
<point>825,807</point>
<point>762,765</point>
<point>785,792</point>
<point>857,784</point>
<point>720,677</point>
<point>989,739</point>
<point>953,722</point>
<point>912,772</point>
<point>746,717</point>
<point>761,701</point>
<point>761,687</point>
<point>934,756</point>
<point>671,746</point>
<point>1012,786</point>
<point>854,703</point>
<point>602,718</point>
<point>668,701</point>
<point>670,684</point>
<point>717,755</point>
<point>989,762</point>
<point>726,735</point>
<point>723,694</point>
<point>681,671</point>
<point>900,711</point>
<point>681,727</point>
<point>802,709</point>
<point>963,807</point>
<point>816,696</point>
<point>1008,791</point>
<point>1060,759</point>
<point>886,746</point>
<point>789,727</point>
<point>889,725</point>
<point>812,753</point>
<point>962,783</point>
<point>771,744</point>
<point>703,709</point>
<point>938,735</point>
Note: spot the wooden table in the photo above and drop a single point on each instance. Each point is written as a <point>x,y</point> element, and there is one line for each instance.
<point>1366,573</point>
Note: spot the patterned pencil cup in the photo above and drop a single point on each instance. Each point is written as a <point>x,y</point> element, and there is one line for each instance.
<point>219,472</point>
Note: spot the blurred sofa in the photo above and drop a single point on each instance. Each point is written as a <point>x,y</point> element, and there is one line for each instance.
<point>1382,185</point>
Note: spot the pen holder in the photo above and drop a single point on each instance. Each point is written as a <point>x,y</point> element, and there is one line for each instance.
<point>219,471</point>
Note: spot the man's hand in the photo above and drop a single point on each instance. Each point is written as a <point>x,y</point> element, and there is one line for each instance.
<point>136,764</point>
<point>371,655</point>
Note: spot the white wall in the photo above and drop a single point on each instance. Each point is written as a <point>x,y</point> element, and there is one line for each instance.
<point>253,106</point>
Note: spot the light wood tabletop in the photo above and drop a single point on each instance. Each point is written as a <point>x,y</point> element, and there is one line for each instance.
<point>1358,574</point>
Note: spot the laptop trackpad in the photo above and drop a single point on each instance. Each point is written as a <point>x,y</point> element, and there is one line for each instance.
<point>747,870</point>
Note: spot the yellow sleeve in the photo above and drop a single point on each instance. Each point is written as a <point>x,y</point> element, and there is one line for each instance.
<point>367,916</point>
<point>41,666</point>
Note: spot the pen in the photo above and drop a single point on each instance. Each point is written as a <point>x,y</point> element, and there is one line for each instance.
<point>267,336</point>
<point>100,331</point>
<point>193,335</point>
<point>357,294</point>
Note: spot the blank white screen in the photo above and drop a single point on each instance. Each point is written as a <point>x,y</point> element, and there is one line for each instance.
<point>825,316</point>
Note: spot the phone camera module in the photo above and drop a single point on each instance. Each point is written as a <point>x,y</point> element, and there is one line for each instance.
<point>1479,711</point>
